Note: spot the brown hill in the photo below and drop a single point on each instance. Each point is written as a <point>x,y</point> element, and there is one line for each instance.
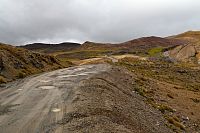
<point>139,46</point>
<point>144,43</point>
<point>152,42</point>
<point>19,62</point>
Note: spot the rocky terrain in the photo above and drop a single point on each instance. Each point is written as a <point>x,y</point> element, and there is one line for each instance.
<point>191,50</point>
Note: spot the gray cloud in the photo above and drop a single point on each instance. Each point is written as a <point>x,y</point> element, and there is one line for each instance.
<point>24,21</point>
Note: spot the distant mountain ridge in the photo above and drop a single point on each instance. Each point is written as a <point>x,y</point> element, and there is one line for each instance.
<point>49,48</point>
<point>144,41</point>
<point>74,51</point>
<point>183,47</point>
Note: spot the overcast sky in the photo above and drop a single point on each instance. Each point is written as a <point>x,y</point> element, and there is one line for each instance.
<point>53,21</point>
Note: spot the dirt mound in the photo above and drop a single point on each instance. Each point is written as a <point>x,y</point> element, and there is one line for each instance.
<point>107,103</point>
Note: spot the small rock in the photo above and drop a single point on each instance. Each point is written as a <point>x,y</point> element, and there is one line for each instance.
<point>157,124</point>
<point>185,118</point>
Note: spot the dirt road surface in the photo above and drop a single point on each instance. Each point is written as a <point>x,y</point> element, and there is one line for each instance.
<point>30,105</point>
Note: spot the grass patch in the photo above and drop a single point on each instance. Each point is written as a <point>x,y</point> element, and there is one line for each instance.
<point>155,51</point>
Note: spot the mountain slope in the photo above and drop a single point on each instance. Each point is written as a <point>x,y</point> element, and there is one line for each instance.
<point>18,63</point>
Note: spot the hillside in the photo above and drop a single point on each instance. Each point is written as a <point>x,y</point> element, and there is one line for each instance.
<point>137,45</point>
<point>172,88</point>
<point>19,62</point>
<point>191,50</point>
<point>146,46</point>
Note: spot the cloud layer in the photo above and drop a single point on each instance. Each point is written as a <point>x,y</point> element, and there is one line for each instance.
<point>25,21</point>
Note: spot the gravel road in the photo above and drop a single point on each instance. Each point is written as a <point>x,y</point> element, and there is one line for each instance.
<point>36,103</point>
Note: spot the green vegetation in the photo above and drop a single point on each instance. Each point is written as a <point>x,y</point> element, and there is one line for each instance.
<point>155,51</point>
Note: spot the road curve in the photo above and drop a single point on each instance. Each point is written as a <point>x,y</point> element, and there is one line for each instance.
<point>35,103</point>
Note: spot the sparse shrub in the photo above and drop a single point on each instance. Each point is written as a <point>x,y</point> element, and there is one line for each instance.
<point>164,108</point>
<point>176,122</point>
<point>2,80</point>
<point>155,51</point>
<point>21,75</point>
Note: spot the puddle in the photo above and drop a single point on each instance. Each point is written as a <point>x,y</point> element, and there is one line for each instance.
<point>55,110</point>
<point>82,74</point>
<point>75,75</point>
<point>66,76</point>
<point>44,81</point>
<point>79,69</point>
<point>90,72</point>
<point>47,87</point>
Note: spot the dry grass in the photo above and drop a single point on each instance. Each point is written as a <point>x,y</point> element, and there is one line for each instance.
<point>2,80</point>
